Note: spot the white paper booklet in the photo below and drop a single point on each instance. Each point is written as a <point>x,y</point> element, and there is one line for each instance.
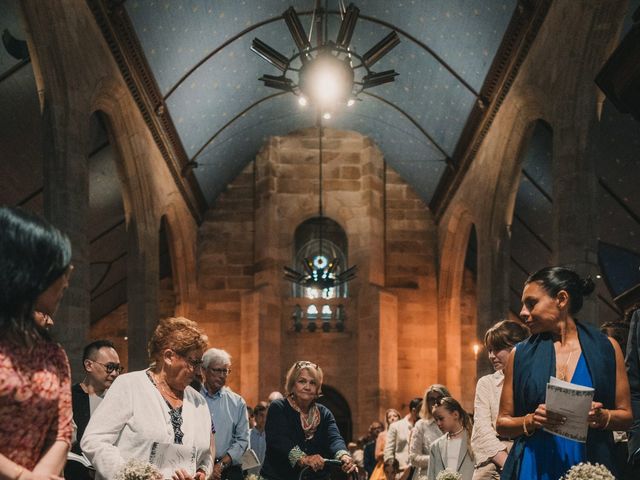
<point>169,457</point>
<point>573,402</point>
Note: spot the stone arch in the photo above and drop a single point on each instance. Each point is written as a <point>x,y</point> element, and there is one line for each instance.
<point>450,281</point>
<point>335,401</point>
<point>183,258</point>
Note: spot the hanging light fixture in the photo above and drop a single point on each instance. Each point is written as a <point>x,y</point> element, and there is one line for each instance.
<point>327,76</point>
<point>321,273</point>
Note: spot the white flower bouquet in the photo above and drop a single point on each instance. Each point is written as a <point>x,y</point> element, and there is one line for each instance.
<point>136,469</point>
<point>588,471</point>
<point>448,474</point>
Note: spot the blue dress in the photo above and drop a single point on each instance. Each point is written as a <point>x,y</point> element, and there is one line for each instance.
<point>547,456</point>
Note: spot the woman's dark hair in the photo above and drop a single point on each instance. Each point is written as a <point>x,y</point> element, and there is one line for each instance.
<point>555,279</point>
<point>505,334</point>
<point>33,255</point>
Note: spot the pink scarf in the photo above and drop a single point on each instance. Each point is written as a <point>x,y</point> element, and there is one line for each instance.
<point>309,421</point>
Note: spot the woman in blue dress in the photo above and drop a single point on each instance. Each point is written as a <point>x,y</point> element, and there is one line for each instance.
<point>570,350</point>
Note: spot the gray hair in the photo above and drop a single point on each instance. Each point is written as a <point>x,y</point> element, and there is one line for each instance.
<point>216,356</point>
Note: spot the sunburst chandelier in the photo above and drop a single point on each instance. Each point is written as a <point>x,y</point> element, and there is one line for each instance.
<point>331,74</point>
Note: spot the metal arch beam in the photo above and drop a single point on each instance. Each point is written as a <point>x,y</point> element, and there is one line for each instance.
<point>269,97</point>
<point>221,129</point>
<point>413,121</point>
<point>413,39</point>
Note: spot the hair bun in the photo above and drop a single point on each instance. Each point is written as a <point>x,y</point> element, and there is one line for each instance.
<point>587,286</point>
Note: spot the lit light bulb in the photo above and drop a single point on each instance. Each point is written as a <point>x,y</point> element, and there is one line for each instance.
<point>598,276</point>
<point>326,116</point>
<point>302,101</point>
<point>350,102</point>
<point>476,349</point>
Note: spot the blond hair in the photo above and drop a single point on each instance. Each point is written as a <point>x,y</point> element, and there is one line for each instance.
<point>294,373</point>
<point>436,387</point>
<point>178,334</point>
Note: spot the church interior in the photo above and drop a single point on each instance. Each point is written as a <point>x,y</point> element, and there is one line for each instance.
<point>479,144</point>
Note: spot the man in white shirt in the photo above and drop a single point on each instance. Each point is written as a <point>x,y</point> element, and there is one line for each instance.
<point>228,414</point>
<point>399,435</point>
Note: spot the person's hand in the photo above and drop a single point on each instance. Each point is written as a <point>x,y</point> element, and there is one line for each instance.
<point>315,462</point>
<point>216,474</point>
<point>347,464</point>
<point>182,474</point>
<point>499,459</point>
<point>546,418</point>
<point>599,417</point>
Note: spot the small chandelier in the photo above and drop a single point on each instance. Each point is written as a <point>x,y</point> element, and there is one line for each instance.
<point>320,272</point>
<point>327,76</point>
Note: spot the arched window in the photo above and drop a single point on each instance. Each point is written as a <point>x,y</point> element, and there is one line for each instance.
<point>320,241</point>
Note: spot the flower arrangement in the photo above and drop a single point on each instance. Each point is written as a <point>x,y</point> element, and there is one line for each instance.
<point>136,469</point>
<point>588,471</point>
<point>253,476</point>
<point>448,474</point>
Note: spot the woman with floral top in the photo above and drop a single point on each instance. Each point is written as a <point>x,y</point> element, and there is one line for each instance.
<point>35,387</point>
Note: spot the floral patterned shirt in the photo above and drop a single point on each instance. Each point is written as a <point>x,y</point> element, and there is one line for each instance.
<point>35,400</point>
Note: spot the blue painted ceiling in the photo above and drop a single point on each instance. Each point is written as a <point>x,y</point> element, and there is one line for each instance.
<point>177,35</point>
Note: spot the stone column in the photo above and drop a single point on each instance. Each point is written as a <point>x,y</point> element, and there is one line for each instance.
<point>142,290</point>
<point>66,205</point>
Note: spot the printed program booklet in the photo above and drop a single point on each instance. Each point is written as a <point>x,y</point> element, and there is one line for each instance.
<point>573,402</point>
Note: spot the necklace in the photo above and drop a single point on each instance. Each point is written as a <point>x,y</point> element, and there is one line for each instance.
<point>455,434</point>
<point>563,373</point>
<point>164,391</point>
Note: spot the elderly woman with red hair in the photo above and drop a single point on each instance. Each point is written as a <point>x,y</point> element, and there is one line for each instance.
<point>155,410</point>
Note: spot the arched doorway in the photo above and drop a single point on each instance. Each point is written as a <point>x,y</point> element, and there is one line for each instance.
<point>334,401</point>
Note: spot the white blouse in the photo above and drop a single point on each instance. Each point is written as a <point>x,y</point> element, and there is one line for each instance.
<point>484,438</point>
<point>132,416</point>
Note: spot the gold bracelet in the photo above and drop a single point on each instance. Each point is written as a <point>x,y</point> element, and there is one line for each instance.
<point>608,419</point>
<point>19,471</point>
<point>524,425</point>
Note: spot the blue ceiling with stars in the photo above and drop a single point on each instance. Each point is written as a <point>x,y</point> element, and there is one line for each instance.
<point>223,114</point>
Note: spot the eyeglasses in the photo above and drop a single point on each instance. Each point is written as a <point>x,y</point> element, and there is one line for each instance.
<point>194,362</point>
<point>111,367</point>
<point>305,363</point>
<point>221,371</point>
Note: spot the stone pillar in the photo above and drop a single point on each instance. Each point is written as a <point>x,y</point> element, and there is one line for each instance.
<point>142,290</point>
<point>66,205</point>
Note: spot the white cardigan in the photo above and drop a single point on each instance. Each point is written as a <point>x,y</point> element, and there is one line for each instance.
<point>132,416</point>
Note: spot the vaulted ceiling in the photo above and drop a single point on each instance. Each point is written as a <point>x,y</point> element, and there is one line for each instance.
<point>451,62</point>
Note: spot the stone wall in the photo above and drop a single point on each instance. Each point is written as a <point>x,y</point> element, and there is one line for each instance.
<point>388,346</point>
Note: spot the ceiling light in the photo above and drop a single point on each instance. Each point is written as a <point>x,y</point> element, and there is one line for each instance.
<point>302,101</point>
<point>327,76</point>
<point>327,80</point>
<point>375,79</point>
<point>271,55</point>
<point>380,49</point>
<point>326,116</point>
<point>347,26</point>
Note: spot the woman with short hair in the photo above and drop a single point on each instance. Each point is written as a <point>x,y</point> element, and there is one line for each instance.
<point>301,432</point>
<point>563,347</point>
<point>35,380</point>
<point>489,450</point>
<point>426,431</point>
<point>152,410</point>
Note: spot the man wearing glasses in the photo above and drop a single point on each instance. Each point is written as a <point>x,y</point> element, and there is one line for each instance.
<point>101,365</point>
<point>228,414</point>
